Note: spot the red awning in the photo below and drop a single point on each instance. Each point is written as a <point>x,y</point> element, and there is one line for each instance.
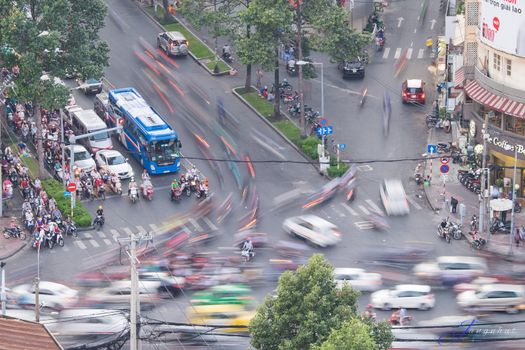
<point>459,78</point>
<point>503,104</point>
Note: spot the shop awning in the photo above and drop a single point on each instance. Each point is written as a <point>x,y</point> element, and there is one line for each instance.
<point>459,78</point>
<point>503,104</point>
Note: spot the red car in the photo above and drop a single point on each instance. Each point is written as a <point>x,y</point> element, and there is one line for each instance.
<point>413,91</point>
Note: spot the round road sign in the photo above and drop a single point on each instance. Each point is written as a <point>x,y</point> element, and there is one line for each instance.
<point>444,169</point>
<point>444,160</point>
<point>72,187</point>
<point>323,121</point>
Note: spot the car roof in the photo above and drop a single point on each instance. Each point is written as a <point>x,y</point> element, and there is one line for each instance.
<point>343,270</point>
<point>463,259</point>
<point>315,220</point>
<point>415,287</point>
<point>231,288</point>
<point>176,36</point>
<point>502,287</point>
<point>53,285</point>
<point>414,83</point>
<point>76,149</point>
<point>109,153</point>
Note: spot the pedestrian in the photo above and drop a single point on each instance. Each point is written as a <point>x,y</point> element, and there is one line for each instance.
<point>517,237</point>
<point>453,204</point>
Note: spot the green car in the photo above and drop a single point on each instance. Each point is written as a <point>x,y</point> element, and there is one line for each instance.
<point>223,294</point>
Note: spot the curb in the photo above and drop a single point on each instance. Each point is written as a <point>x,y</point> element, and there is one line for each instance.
<point>189,52</point>
<point>294,146</point>
<point>14,252</point>
<point>84,229</point>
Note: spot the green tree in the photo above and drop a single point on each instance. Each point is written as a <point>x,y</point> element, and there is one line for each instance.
<point>381,332</point>
<point>50,38</point>
<point>352,335</point>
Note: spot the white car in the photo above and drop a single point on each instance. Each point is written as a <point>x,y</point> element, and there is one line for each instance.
<point>173,43</point>
<point>115,162</point>
<point>494,297</point>
<point>83,159</point>
<point>409,296</point>
<point>314,229</point>
<point>118,295</point>
<point>358,279</point>
<point>452,268</point>
<point>52,295</point>
<point>394,197</point>
<point>88,325</point>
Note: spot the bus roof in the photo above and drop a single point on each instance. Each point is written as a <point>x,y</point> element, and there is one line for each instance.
<point>137,108</point>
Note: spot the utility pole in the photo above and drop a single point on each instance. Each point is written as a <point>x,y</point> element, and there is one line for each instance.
<point>302,121</point>
<point>483,203</point>
<point>135,300</point>
<point>512,233</point>
<point>37,285</point>
<point>3,296</point>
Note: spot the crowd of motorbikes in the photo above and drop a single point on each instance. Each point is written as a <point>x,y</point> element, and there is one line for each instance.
<point>471,179</point>
<point>448,230</point>
<point>188,184</point>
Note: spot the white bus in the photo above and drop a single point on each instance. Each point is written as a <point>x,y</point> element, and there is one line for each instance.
<point>86,121</point>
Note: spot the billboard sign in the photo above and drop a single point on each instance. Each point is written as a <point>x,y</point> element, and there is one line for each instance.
<point>503,25</point>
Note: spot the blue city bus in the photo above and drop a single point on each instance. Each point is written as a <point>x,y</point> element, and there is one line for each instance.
<point>144,132</point>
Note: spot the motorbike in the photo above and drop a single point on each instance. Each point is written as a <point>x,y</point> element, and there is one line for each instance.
<point>147,190</point>
<point>99,222</point>
<point>394,320</point>
<point>227,57</point>
<point>133,194</point>
<point>380,43</point>
<point>500,226</point>
<point>247,255</point>
<point>48,240</point>
<point>14,232</point>
<point>474,222</point>
<point>291,68</point>
<point>517,207</point>
<point>202,191</point>
<point>70,229</point>
<point>443,231</point>
<point>14,178</point>
<point>363,97</point>
<point>350,190</point>
<point>477,241</point>
<point>38,238</point>
<point>176,193</point>
<point>56,235</point>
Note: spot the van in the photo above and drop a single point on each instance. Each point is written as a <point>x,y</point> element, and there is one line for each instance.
<point>86,121</point>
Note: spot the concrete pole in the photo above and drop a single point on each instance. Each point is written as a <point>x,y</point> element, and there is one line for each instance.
<point>134,344</point>
<point>483,204</point>
<point>1,181</point>
<point>512,233</point>
<point>3,296</point>
<point>37,285</point>
<point>72,174</point>
<point>302,121</point>
<point>62,148</point>
<point>322,104</point>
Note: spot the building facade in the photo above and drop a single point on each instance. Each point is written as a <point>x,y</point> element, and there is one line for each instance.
<point>494,69</point>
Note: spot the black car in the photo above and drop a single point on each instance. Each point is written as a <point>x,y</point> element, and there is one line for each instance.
<point>353,68</point>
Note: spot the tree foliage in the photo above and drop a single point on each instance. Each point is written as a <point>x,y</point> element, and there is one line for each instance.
<point>353,335</point>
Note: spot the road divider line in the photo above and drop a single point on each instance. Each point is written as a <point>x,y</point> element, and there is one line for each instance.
<point>107,241</point>
<point>87,235</point>
<point>398,53</point>
<point>115,234</point>
<point>409,53</point>
<point>195,224</point>
<point>209,223</point>
<point>385,54</point>
<point>414,203</point>
<point>80,244</point>
<point>101,234</point>
<point>94,243</point>
<point>363,209</point>
<point>141,229</point>
<point>373,206</point>
<point>128,231</point>
<point>350,210</point>
<point>421,53</point>
<point>364,225</point>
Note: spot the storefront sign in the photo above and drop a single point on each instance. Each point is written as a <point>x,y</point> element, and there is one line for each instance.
<point>503,25</point>
<point>505,145</point>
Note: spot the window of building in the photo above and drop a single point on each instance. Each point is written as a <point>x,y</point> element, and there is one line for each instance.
<point>509,67</point>
<point>497,62</point>
<point>472,13</point>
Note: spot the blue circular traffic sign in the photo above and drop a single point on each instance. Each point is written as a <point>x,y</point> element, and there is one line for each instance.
<point>444,169</point>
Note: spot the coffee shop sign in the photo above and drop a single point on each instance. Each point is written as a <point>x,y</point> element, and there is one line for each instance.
<point>496,141</point>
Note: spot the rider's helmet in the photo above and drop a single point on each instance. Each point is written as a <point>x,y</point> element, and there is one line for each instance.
<point>100,207</point>
<point>183,177</point>
<point>132,179</point>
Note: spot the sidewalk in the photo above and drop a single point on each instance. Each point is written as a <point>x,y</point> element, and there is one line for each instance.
<point>11,246</point>
<point>443,187</point>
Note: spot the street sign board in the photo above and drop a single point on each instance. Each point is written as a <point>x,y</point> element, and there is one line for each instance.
<point>325,130</point>
<point>444,169</point>
<point>67,194</point>
<point>444,160</point>
<point>341,146</point>
<point>72,187</point>
<point>431,149</point>
<point>329,130</point>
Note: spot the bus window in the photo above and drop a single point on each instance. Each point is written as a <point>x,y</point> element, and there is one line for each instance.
<point>163,151</point>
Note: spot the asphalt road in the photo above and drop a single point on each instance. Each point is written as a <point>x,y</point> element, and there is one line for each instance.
<point>191,107</point>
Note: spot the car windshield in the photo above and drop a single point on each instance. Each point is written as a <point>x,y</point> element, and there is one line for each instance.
<point>164,151</point>
<point>116,160</point>
<point>99,137</point>
<point>414,90</point>
<point>82,155</point>
<point>93,81</point>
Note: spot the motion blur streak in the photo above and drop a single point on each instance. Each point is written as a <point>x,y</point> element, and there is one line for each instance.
<point>163,67</point>
<point>232,150</point>
<point>170,60</point>
<point>201,140</point>
<point>401,63</point>
<point>161,94</point>
<point>150,66</point>
<point>179,90</point>
<point>149,54</point>
<point>312,203</point>
<point>249,166</point>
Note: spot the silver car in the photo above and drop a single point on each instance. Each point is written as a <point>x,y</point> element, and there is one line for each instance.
<point>394,197</point>
<point>173,43</point>
<point>314,229</point>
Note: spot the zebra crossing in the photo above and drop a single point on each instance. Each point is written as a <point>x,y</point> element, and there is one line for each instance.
<point>409,53</point>
<point>111,236</point>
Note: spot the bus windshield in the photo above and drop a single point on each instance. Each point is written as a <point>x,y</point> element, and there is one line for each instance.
<point>164,151</point>
<point>99,137</point>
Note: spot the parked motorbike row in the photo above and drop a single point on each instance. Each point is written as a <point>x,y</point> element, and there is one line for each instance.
<point>448,229</point>
<point>188,184</point>
<point>471,179</point>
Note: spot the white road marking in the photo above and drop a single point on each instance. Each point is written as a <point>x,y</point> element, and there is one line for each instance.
<point>363,209</point>
<point>414,203</point>
<point>398,53</point>
<point>364,225</point>
<point>127,231</point>
<point>374,206</point>
<point>94,243</point>
<point>195,224</point>
<point>209,223</point>
<point>350,210</point>
<point>87,235</point>
<point>411,44</point>
<point>154,228</point>
<point>141,229</point>
<point>107,241</point>
<point>409,53</point>
<point>101,234</point>
<point>365,167</point>
<point>421,53</point>
<point>115,234</point>
<point>80,244</point>
<point>385,54</point>
<point>326,214</point>
<point>415,30</point>
<point>337,211</point>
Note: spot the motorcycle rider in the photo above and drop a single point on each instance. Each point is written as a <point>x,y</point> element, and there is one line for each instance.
<point>145,176</point>
<point>369,312</point>
<point>248,246</point>
<point>26,206</point>
<point>100,211</point>
<point>226,51</point>
<point>113,180</point>
<point>132,184</point>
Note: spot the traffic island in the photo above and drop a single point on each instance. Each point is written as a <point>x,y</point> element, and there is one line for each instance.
<point>287,129</point>
<point>197,49</point>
